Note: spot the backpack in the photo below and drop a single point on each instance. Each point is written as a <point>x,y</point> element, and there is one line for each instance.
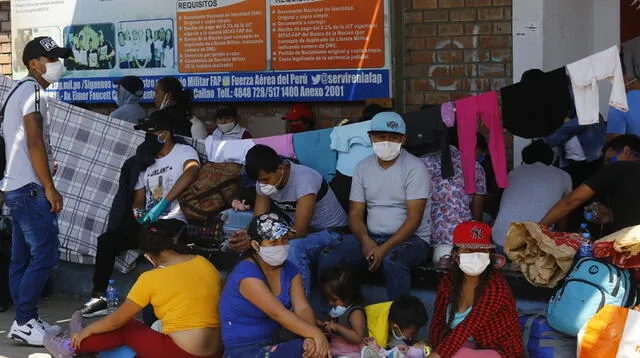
<point>591,285</point>
<point>211,193</point>
<point>542,341</point>
<point>3,157</point>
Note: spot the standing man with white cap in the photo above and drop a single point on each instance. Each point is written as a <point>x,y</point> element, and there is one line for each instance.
<point>28,187</point>
<point>393,188</point>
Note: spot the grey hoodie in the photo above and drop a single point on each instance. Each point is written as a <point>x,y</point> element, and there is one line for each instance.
<point>129,109</point>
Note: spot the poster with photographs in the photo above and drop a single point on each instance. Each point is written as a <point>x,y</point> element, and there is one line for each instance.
<point>22,37</point>
<point>223,50</point>
<point>146,44</point>
<point>92,47</point>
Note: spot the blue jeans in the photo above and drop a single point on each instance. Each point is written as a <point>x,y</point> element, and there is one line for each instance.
<point>396,265</point>
<point>289,349</point>
<point>34,253</point>
<point>304,252</point>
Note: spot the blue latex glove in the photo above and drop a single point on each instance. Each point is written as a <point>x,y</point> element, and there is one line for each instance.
<point>154,214</point>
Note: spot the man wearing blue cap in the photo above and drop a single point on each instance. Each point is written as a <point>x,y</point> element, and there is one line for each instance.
<point>393,188</point>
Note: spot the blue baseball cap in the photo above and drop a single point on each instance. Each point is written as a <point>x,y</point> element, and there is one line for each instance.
<point>390,122</point>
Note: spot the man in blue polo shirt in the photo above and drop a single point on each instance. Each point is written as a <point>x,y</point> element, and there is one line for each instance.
<point>619,122</point>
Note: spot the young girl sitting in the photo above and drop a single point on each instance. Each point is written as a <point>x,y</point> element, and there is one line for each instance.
<point>348,323</point>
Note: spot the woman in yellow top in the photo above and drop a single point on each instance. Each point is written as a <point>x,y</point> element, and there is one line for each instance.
<point>184,291</point>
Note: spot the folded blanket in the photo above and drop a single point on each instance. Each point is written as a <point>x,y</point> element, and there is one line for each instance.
<point>622,248</point>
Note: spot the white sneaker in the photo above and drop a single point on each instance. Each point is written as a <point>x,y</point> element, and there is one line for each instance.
<point>30,333</point>
<point>51,329</point>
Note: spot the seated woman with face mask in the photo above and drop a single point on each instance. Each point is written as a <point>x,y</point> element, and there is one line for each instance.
<point>227,124</point>
<point>263,293</point>
<point>475,312</point>
<point>184,291</point>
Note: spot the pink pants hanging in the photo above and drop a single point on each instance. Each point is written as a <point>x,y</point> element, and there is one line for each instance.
<point>468,110</point>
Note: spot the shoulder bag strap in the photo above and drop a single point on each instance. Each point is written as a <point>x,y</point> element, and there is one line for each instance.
<point>4,106</point>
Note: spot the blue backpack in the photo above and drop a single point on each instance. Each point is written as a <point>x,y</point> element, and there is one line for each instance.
<point>589,286</point>
<point>542,341</point>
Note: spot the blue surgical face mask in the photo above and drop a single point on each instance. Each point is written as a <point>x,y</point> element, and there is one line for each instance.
<point>337,311</point>
<point>614,158</point>
<point>398,337</point>
<point>397,333</point>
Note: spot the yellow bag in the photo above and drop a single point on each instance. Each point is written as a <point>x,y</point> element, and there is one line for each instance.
<point>378,322</point>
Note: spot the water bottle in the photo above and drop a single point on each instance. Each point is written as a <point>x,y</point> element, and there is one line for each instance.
<point>590,213</point>
<point>586,250</point>
<point>584,229</point>
<point>112,297</point>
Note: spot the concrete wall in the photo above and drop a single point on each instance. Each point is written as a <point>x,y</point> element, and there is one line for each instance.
<point>550,33</point>
<point>568,32</point>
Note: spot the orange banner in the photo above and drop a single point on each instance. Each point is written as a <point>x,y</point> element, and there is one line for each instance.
<point>228,36</point>
<point>311,34</point>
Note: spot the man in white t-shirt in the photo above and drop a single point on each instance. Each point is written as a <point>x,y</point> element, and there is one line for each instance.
<point>156,193</point>
<point>28,187</point>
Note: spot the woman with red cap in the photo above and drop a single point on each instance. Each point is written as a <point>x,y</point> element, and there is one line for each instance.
<point>475,312</point>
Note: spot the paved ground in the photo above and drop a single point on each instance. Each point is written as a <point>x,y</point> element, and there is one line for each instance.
<point>52,310</point>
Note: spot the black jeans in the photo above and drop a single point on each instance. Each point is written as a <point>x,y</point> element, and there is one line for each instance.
<point>112,243</point>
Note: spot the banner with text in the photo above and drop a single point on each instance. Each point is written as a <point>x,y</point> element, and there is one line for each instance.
<point>225,50</point>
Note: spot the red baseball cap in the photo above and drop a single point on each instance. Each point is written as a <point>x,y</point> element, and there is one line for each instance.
<point>473,235</point>
<point>299,111</point>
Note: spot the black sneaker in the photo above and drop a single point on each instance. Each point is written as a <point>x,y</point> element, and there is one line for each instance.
<point>97,306</point>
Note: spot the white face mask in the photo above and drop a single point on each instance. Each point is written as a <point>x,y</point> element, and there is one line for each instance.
<point>337,311</point>
<point>269,189</point>
<point>387,151</point>
<point>474,263</point>
<point>226,127</point>
<point>274,255</point>
<point>398,337</point>
<point>53,71</point>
